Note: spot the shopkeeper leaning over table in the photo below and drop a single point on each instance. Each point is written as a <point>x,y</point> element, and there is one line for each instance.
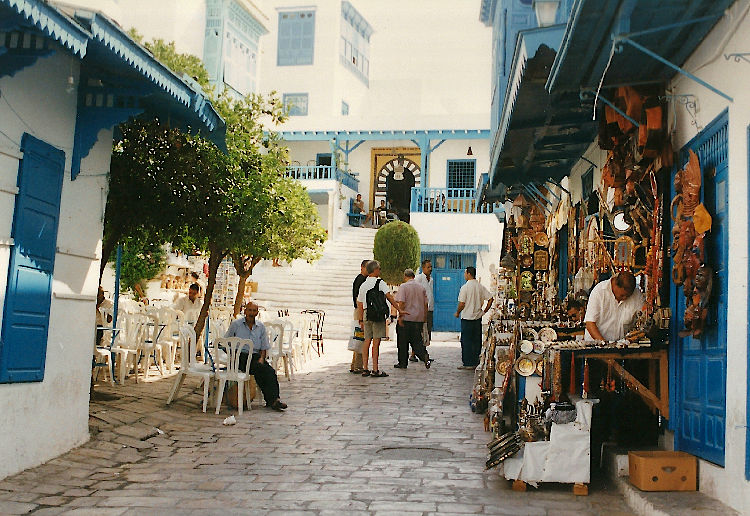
<point>612,304</point>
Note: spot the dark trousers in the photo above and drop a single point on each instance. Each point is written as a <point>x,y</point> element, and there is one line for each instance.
<point>471,341</point>
<point>410,334</point>
<point>265,377</point>
<point>429,322</point>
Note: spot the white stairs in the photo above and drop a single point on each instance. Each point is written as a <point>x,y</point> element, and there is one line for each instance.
<point>323,285</point>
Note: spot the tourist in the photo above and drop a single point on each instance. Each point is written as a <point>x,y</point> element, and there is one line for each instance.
<point>371,320</point>
<point>190,305</point>
<point>102,305</point>
<point>473,302</point>
<point>412,303</point>
<point>356,366</point>
<point>425,279</point>
<point>265,376</point>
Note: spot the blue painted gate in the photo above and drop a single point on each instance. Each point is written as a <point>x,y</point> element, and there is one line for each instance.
<point>448,276</point>
<point>23,342</point>
<point>699,365</point>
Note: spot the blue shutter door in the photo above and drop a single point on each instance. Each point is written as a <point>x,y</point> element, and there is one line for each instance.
<point>700,364</point>
<point>23,345</point>
<point>448,277</point>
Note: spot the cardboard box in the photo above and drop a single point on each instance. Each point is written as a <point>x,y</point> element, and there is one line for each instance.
<point>663,470</point>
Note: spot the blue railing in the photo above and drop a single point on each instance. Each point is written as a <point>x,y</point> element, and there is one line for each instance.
<point>323,172</point>
<point>448,200</point>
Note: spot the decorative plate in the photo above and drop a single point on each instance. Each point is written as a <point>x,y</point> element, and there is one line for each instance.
<point>527,347</point>
<point>539,346</point>
<point>527,260</point>
<point>503,367</point>
<point>530,334</point>
<point>541,239</point>
<point>525,366</point>
<point>547,334</point>
<point>540,367</point>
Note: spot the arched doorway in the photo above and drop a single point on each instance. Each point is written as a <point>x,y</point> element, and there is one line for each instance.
<point>394,182</point>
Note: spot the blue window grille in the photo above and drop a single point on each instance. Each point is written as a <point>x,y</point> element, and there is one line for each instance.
<point>296,103</point>
<point>296,38</point>
<point>461,174</point>
<point>355,42</point>
<point>344,108</point>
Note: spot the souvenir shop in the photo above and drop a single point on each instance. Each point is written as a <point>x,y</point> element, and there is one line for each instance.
<point>553,397</point>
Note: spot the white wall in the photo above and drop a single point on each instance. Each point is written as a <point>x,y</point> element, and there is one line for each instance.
<point>730,35</point>
<point>463,228</point>
<point>42,420</point>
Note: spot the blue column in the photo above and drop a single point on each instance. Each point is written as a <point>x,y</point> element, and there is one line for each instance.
<point>424,151</point>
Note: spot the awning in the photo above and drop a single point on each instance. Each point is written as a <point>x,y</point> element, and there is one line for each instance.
<point>51,22</point>
<point>454,248</point>
<point>540,136</point>
<point>673,30</point>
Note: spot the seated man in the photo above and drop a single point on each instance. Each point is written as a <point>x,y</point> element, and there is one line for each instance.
<point>190,305</point>
<point>358,206</point>
<point>265,375</point>
<point>382,213</point>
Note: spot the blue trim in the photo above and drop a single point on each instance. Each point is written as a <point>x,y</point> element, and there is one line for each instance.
<point>747,371</point>
<point>487,12</point>
<point>454,248</point>
<point>52,23</point>
<point>444,134</point>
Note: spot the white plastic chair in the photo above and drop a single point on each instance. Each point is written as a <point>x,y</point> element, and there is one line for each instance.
<point>127,342</point>
<point>275,331</point>
<point>166,339</point>
<point>289,343</point>
<point>233,347</point>
<point>191,367</point>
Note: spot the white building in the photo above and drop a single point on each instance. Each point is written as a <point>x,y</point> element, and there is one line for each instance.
<point>61,79</point>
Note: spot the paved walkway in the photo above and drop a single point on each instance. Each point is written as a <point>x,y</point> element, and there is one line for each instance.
<point>407,444</point>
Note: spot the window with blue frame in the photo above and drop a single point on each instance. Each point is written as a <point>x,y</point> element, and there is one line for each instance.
<point>296,103</point>
<point>461,175</point>
<point>296,38</point>
<point>355,42</point>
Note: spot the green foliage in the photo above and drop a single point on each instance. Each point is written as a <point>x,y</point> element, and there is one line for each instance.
<point>397,248</point>
<point>141,261</point>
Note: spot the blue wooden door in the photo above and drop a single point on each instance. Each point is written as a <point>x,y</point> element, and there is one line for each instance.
<point>23,342</point>
<point>448,277</point>
<point>700,364</point>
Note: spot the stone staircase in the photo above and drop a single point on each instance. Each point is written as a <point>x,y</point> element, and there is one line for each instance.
<point>324,285</point>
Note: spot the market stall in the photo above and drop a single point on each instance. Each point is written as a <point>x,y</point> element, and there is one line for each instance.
<point>541,371</point>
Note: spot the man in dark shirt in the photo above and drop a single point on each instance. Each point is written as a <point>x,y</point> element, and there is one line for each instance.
<point>356,366</point>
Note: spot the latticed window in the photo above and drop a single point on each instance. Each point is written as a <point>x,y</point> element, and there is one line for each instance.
<point>296,102</point>
<point>461,173</point>
<point>296,38</point>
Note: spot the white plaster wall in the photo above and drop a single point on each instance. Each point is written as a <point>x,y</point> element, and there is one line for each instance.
<point>181,21</point>
<point>466,229</point>
<point>42,420</point>
<point>707,62</point>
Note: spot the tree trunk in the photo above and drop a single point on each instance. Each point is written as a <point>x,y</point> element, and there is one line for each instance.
<point>108,245</point>
<point>214,260</point>
<point>244,270</point>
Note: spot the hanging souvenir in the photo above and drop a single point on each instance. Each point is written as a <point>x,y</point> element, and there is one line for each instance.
<point>541,260</point>
<point>541,239</point>
<point>525,244</point>
<point>527,260</point>
<point>592,243</point>
<point>624,252</point>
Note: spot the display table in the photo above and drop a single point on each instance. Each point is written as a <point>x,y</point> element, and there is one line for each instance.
<point>564,458</point>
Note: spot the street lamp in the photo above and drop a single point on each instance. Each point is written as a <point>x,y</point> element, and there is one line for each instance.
<point>546,11</point>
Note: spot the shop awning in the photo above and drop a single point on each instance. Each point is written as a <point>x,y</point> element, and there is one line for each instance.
<point>540,136</point>
<point>670,28</point>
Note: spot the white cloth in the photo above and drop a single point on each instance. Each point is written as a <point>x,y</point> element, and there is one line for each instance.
<point>609,314</point>
<point>187,307</point>
<point>473,295</point>
<point>367,285</point>
<point>427,284</point>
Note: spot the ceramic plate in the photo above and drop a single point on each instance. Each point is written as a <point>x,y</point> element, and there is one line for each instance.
<point>530,334</point>
<point>527,347</point>
<point>525,366</point>
<point>547,334</point>
<point>540,367</point>
<point>539,346</point>
<point>541,239</point>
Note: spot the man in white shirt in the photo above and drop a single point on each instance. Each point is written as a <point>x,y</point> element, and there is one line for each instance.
<point>190,305</point>
<point>425,279</point>
<point>473,302</point>
<point>612,304</point>
<point>374,329</point>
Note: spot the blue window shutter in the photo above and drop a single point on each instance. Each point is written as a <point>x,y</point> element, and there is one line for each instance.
<point>23,342</point>
<point>296,38</point>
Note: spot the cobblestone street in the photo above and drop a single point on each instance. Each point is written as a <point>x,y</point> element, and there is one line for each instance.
<point>407,444</point>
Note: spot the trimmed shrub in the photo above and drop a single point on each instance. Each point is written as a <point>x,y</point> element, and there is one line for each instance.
<point>396,248</point>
